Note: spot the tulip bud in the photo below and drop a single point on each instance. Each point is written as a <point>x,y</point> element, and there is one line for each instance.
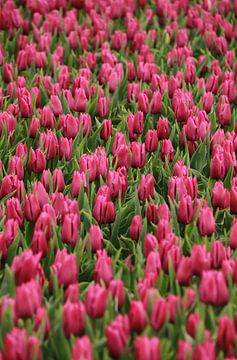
<point>65,148</point>
<point>213,289</point>
<point>151,141</point>
<point>65,268</point>
<point>14,211</point>
<point>103,268</point>
<point>137,316</point>
<point>206,222</point>
<point>117,334</point>
<point>146,349</point>
<point>34,127</point>
<point>28,299</point>
<point>96,301</point>
<point>200,259</point>
<point>146,187</point>
<point>116,289</point>
<point>184,273</point>
<point>73,318</point>
<point>150,244</point>
<point>82,348</point>
<point>39,243</point>
<point>41,319</point>
<point>163,128</point>
<point>159,314</point>
<point>96,237</point>
<point>226,336</point>
<point>37,161</point>
<point>70,227</point>
<point>25,266</point>
<point>185,210</point>
<point>136,227</point>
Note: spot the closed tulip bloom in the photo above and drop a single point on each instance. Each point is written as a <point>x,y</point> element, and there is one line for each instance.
<point>163,229</point>
<point>159,314</point>
<point>34,127</point>
<point>13,210</point>
<point>184,272</point>
<point>73,318</point>
<point>153,264</point>
<point>218,254</point>
<point>138,154</point>
<point>103,268</point>
<point>8,72</point>
<point>181,110</point>
<point>218,170</point>
<point>192,324</point>
<point>213,289</point>
<point>10,232</point>
<point>102,106</point>
<point>136,227</point>
<point>58,180</point>
<point>42,319</point>
<point>50,144</point>
<point>163,128</point>
<point>206,222</point>
<point>200,259</point>
<point>104,211</point>
<point>137,122</point>
<point>32,207</point>
<point>72,293</point>
<point>156,103</point>
<point>16,167</point>
<point>82,349</point>
<point>37,161</point>
<point>116,289</point>
<point>151,141</point>
<point>185,210</point>
<point>25,266</point>
<point>65,148</point>
<point>78,181</point>
<point>150,244</point>
<point>226,336</point>
<point>146,187</point>
<point>17,346</point>
<point>167,150</point>
<point>65,268</point>
<point>143,102</point>
<point>89,163</point>
<point>233,236</point>
<point>80,100</point>
<point>56,105</point>
<point>137,316</point>
<point>106,129</point>
<point>205,350</point>
<point>39,243</point>
<point>28,299</point>
<point>147,349</point>
<point>184,350</point>
<point>69,124</point>
<point>70,228</point>
<point>25,105</point>
<point>96,301</point>
<point>152,214</point>
<point>220,197</point>
<point>117,335</point>
<point>224,114</point>
<point>96,237</point>
<point>47,117</point>
<point>207,101</point>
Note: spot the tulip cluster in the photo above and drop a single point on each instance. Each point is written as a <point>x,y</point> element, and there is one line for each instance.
<point>118,179</point>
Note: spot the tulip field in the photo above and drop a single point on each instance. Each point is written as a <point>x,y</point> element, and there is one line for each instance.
<point>118,179</point>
